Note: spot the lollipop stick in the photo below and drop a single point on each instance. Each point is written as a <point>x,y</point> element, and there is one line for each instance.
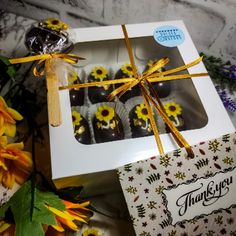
<point>54,109</point>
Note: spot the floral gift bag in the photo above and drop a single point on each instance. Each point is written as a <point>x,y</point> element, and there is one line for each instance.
<point>175,195</point>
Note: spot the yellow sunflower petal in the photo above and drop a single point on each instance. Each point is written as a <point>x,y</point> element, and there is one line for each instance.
<point>9,156</point>
<point>1,175</point>
<point>24,161</point>
<point>2,101</point>
<point>58,228</point>
<point>2,164</point>
<point>8,180</point>
<point>10,231</point>
<point>78,216</point>
<point>71,205</point>
<point>15,114</point>
<point>2,126</point>
<point>3,226</point>
<point>61,214</point>
<point>3,141</point>
<point>20,176</point>
<point>16,146</point>
<point>69,223</point>
<point>10,129</point>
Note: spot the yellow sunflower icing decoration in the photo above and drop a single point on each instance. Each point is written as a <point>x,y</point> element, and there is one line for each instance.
<point>76,118</point>
<point>142,112</point>
<point>99,73</point>
<point>8,118</point>
<point>54,24</point>
<point>105,113</point>
<point>72,77</point>
<point>172,109</point>
<point>127,69</point>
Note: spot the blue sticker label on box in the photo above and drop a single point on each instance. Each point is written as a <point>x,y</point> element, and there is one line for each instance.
<point>169,36</point>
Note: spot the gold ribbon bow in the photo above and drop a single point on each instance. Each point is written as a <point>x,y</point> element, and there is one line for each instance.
<point>145,81</point>
<point>54,110</point>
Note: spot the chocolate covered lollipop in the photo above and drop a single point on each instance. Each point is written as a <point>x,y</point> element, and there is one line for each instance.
<point>49,37</point>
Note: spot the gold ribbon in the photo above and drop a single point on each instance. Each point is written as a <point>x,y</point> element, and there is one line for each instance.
<point>145,81</point>
<point>70,58</point>
<point>54,112</point>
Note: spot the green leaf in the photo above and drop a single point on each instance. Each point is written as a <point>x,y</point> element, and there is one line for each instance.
<point>50,198</point>
<point>10,68</point>
<point>29,228</point>
<point>29,211</point>
<point>41,213</point>
<point>21,203</point>
<point>3,209</point>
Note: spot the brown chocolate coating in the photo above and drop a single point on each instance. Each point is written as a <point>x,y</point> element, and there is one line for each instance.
<point>135,91</point>
<point>98,94</point>
<point>162,89</point>
<point>82,132</point>
<point>110,134</point>
<point>77,95</point>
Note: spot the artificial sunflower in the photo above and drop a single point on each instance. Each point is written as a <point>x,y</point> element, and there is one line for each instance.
<point>99,73</point>
<point>142,112</point>
<point>8,118</point>
<point>91,232</point>
<point>15,164</point>
<point>76,118</point>
<point>68,219</point>
<point>54,24</point>
<point>105,113</point>
<point>74,213</point>
<point>127,69</point>
<point>172,109</point>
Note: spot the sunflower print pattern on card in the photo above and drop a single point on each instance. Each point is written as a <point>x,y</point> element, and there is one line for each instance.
<point>148,187</point>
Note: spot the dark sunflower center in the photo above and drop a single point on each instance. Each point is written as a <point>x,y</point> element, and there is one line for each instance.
<point>105,113</point>
<point>172,108</point>
<point>99,72</point>
<point>144,111</point>
<point>91,234</point>
<point>54,22</point>
<point>129,68</point>
<point>73,118</point>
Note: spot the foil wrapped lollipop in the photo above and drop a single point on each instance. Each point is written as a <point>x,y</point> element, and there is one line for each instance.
<point>49,36</point>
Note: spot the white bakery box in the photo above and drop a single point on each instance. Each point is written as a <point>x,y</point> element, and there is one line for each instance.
<point>93,166</point>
